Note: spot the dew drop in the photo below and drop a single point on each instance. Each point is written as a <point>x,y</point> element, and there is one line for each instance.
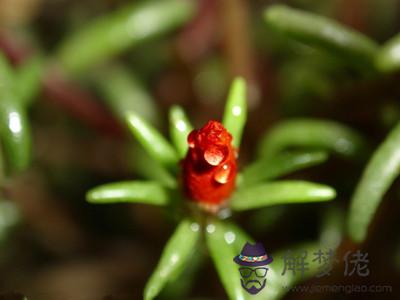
<point>210,228</point>
<point>229,237</point>
<point>181,126</point>
<point>174,258</point>
<point>191,139</point>
<point>213,157</point>
<point>194,227</point>
<point>222,175</point>
<point>236,111</point>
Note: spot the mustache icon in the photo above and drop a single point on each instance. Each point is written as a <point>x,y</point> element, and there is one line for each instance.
<point>253,289</point>
<point>255,282</point>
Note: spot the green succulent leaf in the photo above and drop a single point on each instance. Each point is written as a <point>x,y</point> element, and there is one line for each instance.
<point>180,128</point>
<point>124,28</point>
<point>224,242</point>
<point>324,33</point>
<point>15,134</point>
<point>129,191</point>
<point>149,168</point>
<point>281,192</point>
<point>280,165</point>
<point>6,73</point>
<point>176,255</point>
<point>152,140</point>
<point>181,285</point>
<point>332,228</point>
<point>312,134</point>
<point>388,58</point>
<point>124,92</point>
<point>235,114</point>
<point>381,171</point>
<point>28,80</point>
<point>14,126</point>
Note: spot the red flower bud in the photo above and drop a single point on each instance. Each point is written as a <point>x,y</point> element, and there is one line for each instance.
<point>209,168</point>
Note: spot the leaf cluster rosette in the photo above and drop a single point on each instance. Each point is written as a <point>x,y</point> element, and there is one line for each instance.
<point>253,188</point>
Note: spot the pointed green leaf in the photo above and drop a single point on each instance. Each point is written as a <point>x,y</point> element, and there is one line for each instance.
<point>235,114</point>
<point>388,57</point>
<point>6,73</point>
<point>15,134</point>
<point>379,174</point>
<point>14,126</point>
<point>237,234</point>
<point>180,128</point>
<point>280,165</point>
<point>223,245</point>
<point>281,192</point>
<point>176,255</point>
<point>28,80</point>
<point>129,191</point>
<point>124,92</point>
<point>312,134</point>
<point>180,286</point>
<point>149,168</point>
<point>332,228</point>
<point>152,140</point>
<point>324,33</point>
<point>129,26</point>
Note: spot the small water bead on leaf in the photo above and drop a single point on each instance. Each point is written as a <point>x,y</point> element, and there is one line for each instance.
<point>224,173</point>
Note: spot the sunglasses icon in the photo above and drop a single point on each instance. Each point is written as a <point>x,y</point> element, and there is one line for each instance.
<point>246,272</point>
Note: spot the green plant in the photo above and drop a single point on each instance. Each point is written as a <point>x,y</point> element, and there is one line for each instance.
<point>356,50</point>
<point>17,90</point>
<point>327,54</point>
<point>222,237</point>
<point>123,29</point>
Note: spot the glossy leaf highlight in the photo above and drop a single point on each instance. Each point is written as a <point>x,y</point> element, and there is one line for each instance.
<point>223,245</point>
<point>280,165</point>
<point>180,128</point>
<point>324,33</point>
<point>152,140</point>
<point>176,255</point>
<point>388,57</point>
<point>381,171</point>
<point>124,92</point>
<point>129,191</point>
<point>312,134</point>
<point>114,33</point>
<point>281,192</point>
<point>14,126</point>
<point>235,114</point>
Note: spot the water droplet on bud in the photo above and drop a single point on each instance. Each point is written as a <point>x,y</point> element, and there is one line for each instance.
<point>222,175</point>
<point>191,139</point>
<point>213,156</point>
